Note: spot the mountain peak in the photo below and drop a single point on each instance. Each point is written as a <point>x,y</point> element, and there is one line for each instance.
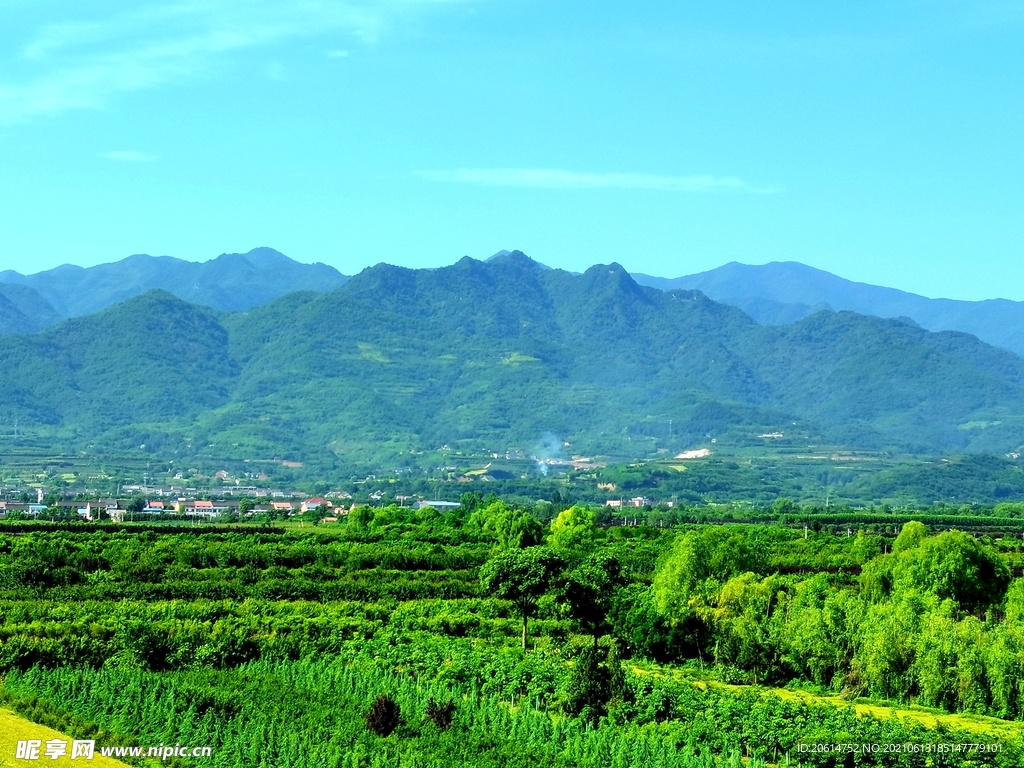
<point>515,257</point>
<point>615,271</point>
<point>264,258</point>
<point>510,257</point>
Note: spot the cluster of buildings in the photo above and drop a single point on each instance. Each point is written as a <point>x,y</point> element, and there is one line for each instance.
<point>636,501</point>
<point>119,510</point>
<point>123,509</point>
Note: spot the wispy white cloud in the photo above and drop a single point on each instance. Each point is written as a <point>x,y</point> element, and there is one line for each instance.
<point>128,156</point>
<point>339,54</point>
<point>85,64</point>
<point>554,178</point>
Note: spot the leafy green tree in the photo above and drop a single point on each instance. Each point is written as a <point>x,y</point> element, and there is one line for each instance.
<point>521,576</point>
<point>589,686</point>
<point>596,682</point>
<point>885,646</point>
<point>644,630</point>
<point>360,518</point>
<point>865,547</point>
<point>973,689</point>
<point>955,566</point>
<point>783,506</point>
<point>1013,610</point>
<point>744,622</point>
<point>935,657</point>
<point>560,500</point>
<point>1009,509</point>
<point>314,515</point>
<point>818,638</point>
<point>699,562</point>
<point>511,527</point>
<point>618,686</point>
<point>588,593</point>
<point>1004,667</point>
<point>518,528</point>
<point>471,501</point>
<point>485,517</point>
<point>245,506</point>
<point>876,578</point>
<point>911,535</point>
<point>574,531</point>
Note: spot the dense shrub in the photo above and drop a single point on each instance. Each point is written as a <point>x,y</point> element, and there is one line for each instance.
<point>440,714</point>
<point>384,716</point>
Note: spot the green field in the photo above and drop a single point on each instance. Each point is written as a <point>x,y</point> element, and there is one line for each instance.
<point>693,646</point>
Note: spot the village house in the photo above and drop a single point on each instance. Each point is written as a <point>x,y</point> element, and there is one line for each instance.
<point>310,505</point>
<point>200,508</point>
<point>6,507</point>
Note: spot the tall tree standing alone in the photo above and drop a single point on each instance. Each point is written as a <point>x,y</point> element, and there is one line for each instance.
<point>521,576</point>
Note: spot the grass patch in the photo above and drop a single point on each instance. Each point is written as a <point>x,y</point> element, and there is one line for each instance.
<point>14,729</point>
<point>372,354</point>
<point>991,727</point>
<point>969,425</point>
<point>517,357</point>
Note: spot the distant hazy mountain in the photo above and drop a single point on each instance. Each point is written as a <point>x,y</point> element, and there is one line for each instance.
<point>23,310</point>
<point>782,292</point>
<point>492,356</point>
<point>231,282</point>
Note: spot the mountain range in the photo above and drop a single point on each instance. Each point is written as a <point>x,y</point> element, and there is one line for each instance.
<point>772,294</point>
<point>233,282</point>
<point>493,356</point>
<point>784,292</point>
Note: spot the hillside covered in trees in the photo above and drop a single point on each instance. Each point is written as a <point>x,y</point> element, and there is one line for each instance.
<point>493,356</point>
<point>783,292</point>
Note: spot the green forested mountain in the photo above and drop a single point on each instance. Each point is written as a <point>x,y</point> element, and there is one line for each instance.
<point>152,358</point>
<point>23,310</point>
<point>232,282</point>
<point>783,292</point>
<point>494,356</point>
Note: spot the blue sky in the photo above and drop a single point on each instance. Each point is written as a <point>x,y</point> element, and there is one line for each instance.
<point>879,141</point>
